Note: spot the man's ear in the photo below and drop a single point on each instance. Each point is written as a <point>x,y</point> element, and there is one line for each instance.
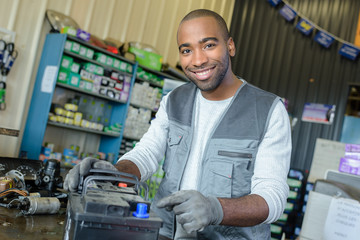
<point>231,47</point>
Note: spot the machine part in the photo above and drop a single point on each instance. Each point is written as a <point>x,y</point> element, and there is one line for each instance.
<point>39,205</point>
<point>30,168</point>
<point>50,177</point>
<point>58,20</point>
<point>6,183</point>
<point>35,194</point>
<point>18,178</point>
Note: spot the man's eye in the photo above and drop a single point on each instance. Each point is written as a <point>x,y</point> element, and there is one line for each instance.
<point>209,45</point>
<point>186,51</point>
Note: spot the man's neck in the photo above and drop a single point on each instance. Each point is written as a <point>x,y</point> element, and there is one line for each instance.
<point>226,90</point>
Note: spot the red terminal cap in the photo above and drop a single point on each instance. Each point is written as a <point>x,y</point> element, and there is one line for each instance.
<point>122,184</point>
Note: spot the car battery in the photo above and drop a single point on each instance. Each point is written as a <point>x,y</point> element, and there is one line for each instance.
<point>101,209</point>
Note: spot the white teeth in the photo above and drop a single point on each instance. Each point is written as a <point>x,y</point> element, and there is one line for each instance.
<point>203,73</point>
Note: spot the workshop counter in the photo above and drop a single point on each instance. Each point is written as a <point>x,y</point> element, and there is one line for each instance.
<point>30,227</point>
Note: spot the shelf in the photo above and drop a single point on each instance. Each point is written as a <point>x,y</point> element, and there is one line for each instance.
<point>183,77</point>
<point>34,133</point>
<point>151,83</point>
<point>61,125</point>
<point>88,92</point>
<point>139,106</point>
<point>94,62</point>
<point>99,49</point>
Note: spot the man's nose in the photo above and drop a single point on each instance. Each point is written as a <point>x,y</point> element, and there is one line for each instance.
<point>199,58</point>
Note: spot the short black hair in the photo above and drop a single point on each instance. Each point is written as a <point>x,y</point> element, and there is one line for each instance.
<point>208,13</point>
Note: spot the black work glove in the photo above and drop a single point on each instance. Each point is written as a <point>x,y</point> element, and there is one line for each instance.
<point>194,211</point>
<point>82,169</point>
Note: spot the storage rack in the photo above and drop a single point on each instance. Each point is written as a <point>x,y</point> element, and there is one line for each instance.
<point>37,120</point>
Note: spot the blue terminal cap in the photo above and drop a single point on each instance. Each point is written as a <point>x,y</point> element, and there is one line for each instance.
<point>141,211</point>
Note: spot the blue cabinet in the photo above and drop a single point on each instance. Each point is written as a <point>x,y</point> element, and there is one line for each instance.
<point>43,93</point>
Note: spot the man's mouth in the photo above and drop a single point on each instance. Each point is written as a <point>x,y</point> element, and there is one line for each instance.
<point>203,74</point>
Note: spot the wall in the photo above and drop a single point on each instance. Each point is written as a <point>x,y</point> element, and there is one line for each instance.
<point>274,55</point>
<point>149,21</point>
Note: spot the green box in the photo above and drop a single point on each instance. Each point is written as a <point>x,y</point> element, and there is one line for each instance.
<point>68,45</point>
<point>116,63</point>
<point>100,57</point>
<point>82,84</point>
<point>75,67</point>
<point>90,67</point>
<point>147,59</point>
<point>83,51</point>
<point>69,31</point>
<point>63,76</point>
<point>99,70</point>
<point>90,53</point>
<point>75,48</point>
<point>88,86</point>
<point>109,61</point>
<point>122,66</point>
<point>66,62</point>
<point>129,68</point>
<point>74,79</point>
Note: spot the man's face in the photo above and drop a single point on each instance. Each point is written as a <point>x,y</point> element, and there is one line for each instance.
<point>204,53</point>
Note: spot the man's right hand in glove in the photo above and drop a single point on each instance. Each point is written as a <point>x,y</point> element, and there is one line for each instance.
<point>82,169</point>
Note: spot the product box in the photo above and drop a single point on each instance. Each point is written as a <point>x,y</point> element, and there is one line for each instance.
<point>100,57</point>
<point>77,118</point>
<point>85,74</point>
<point>75,67</point>
<point>82,84</point>
<point>69,30</point>
<point>74,79</point>
<point>68,45</point>
<point>129,68</point>
<point>122,66</point>
<point>90,67</point>
<point>99,70</point>
<point>116,63</point>
<point>83,51</point>
<point>88,85</point>
<point>109,61</point>
<point>83,35</point>
<point>89,53</point>
<point>349,165</point>
<point>63,75</point>
<point>148,59</point>
<point>66,62</point>
<point>75,48</point>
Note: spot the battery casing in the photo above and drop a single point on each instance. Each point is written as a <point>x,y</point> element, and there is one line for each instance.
<point>108,214</point>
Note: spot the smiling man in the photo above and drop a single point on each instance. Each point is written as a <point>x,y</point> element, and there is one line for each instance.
<point>226,143</point>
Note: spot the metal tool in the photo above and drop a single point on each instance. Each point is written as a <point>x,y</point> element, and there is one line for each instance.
<point>2,95</point>
<point>8,54</point>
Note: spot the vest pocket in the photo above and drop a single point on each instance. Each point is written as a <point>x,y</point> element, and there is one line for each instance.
<point>173,141</point>
<point>240,155</point>
<point>220,178</point>
<point>243,168</point>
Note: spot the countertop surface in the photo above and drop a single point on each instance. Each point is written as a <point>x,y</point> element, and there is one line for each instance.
<point>42,227</point>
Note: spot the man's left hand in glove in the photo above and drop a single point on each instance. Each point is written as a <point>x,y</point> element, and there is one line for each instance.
<point>194,211</point>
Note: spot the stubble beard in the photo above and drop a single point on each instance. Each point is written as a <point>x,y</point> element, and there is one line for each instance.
<point>216,80</point>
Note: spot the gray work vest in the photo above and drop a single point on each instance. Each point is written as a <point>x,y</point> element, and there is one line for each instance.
<point>228,161</point>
